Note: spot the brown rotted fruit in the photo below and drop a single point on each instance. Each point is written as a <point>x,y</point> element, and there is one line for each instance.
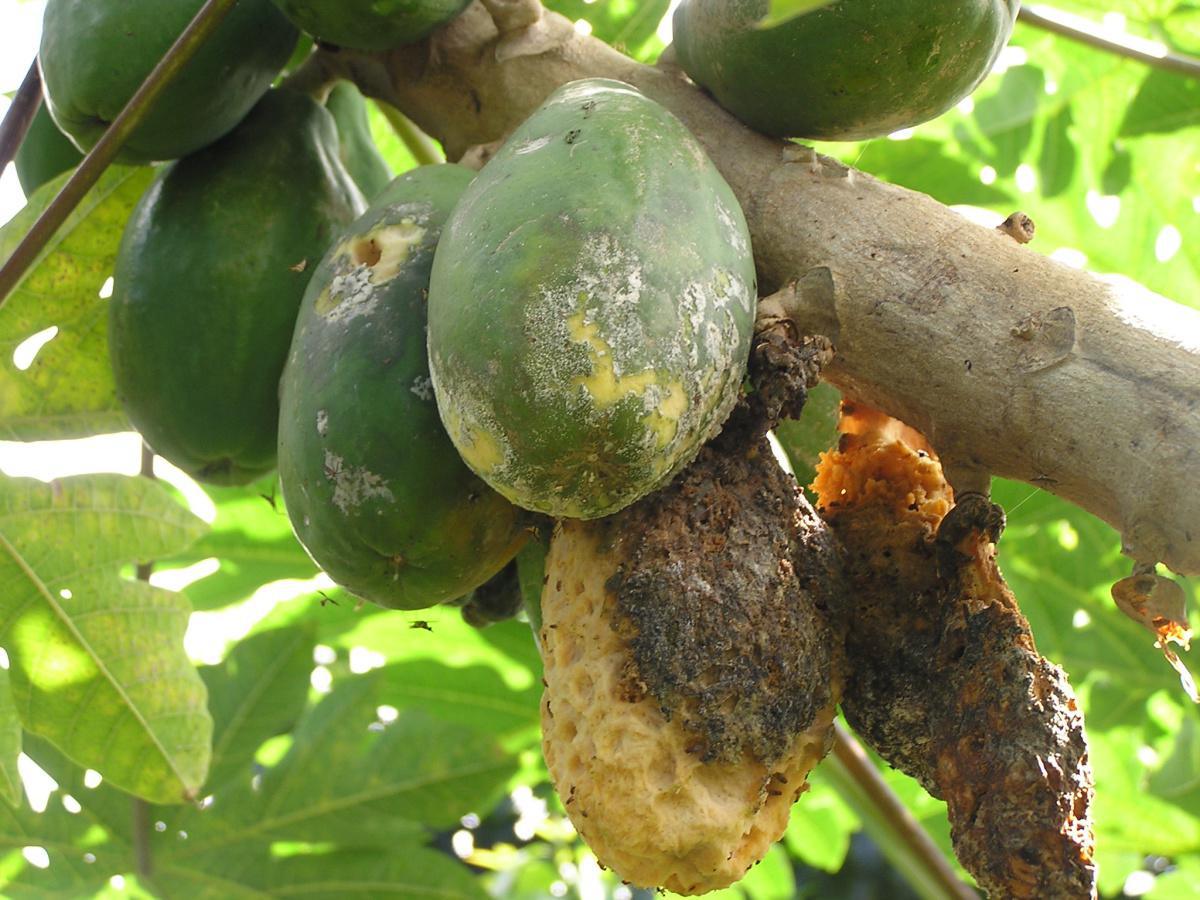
<point>943,677</point>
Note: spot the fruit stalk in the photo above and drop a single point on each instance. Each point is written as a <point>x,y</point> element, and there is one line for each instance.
<point>101,156</point>
<point>16,121</point>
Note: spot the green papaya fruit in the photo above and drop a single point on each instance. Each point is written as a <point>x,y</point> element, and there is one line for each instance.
<point>44,153</point>
<point>208,280</point>
<point>852,70</point>
<point>355,148</point>
<point>95,53</point>
<point>372,485</point>
<point>591,305</point>
<point>370,24</point>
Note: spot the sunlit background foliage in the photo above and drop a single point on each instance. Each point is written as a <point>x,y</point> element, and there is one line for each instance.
<point>355,747</point>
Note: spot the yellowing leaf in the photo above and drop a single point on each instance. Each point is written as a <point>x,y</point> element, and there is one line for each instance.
<point>67,390</point>
<point>97,662</point>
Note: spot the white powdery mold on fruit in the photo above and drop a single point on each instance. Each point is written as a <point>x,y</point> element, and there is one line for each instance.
<point>354,485</point>
<point>422,387</point>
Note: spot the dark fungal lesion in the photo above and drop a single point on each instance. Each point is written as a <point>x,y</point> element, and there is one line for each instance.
<point>723,599</point>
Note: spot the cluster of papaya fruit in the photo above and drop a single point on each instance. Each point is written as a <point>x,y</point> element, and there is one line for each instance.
<point>439,373</point>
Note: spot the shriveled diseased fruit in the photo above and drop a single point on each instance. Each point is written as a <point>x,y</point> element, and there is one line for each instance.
<point>373,487</point>
<point>95,53</point>
<point>691,673</point>
<point>356,149</point>
<point>370,24</point>
<point>851,70</point>
<point>943,678</point>
<point>591,305</point>
<point>208,281</point>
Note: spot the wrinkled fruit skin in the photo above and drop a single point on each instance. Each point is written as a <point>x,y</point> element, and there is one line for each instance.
<point>356,149</point>
<point>691,673</point>
<point>45,153</point>
<point>370,24</point>
<point>96,53</point>
<point>944,680</point>
<point>208,280</point>
<point>373,486</point>
<point>853,70</point>
<point>591,305</point>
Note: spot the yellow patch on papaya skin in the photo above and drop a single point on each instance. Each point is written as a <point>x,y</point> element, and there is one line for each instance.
<point>385,249</point>
<point>604,385</point>
<point>664,420</point>
<point>369,260</point>
<point>479,450</point>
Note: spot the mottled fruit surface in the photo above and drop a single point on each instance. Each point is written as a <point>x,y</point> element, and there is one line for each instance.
<point>374,488</point>
<point>211,269</point>
<point>591,305</point>
<point>370,24</point>
<point>96,53</point>
<point>691,671</point>
<point>852,70</point>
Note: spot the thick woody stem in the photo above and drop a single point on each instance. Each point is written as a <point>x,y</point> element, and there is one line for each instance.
<point>1010,363</point>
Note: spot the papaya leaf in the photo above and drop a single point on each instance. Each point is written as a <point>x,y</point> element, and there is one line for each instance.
<point>258,691</point>
<point>624,24</point>
<point>782,10</point>
<point>410,873</point>
<point>820,828</point>
<point>97,663</point>
<point>475,697</point>
<point>10,743</point>
<point>67,391</point>
<point>84,830</point>
<point>252,541</point>
<point>353,778</point>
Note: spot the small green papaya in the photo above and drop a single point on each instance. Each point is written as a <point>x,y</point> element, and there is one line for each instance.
<point>591,305</point>
<point>95,54</point>
<point>208,280</point>
<point>355,148</point>
<point>370,24</point>
<point>852,70</point>
<point>44,153</point>
<point>372,485</point>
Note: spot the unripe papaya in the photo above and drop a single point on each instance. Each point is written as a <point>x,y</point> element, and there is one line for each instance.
<point>370,24</point>
<point>95,53</point>
<point>851,70</point>
<point>356,150</point>
<point>208,280</point>
<point>591,305</point>
<point>374,489</point>
<point>44,153</point>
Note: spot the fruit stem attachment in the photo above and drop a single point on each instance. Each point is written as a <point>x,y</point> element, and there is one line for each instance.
<point>101,156</point>
<point>888,821</point>
<point>24,107</point>
<point>419,144</point>
<point>1064,25</point>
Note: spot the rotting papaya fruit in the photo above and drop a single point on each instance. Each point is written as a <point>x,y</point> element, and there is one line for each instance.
<point>372,484</point>
<point>691,670</point>
<point>852,70</point>
<point>943,678</point>
<point>95,53</point>
<point>44,153</point>
<point>355,148</point>
<point>208,280</point>
<point>370,24</point>
<point>591,305</point>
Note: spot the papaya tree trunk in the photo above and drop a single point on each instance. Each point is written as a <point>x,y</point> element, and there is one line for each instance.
<point>1011,364</point>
